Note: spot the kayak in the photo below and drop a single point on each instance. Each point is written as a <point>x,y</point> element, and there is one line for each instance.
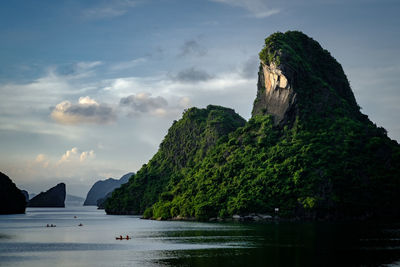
<point>123,238</point>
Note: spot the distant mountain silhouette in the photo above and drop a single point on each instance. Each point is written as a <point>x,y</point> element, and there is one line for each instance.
<point>26,194</point>
<point>71,200</point>
<point>103,187</point>
<point>54,197</point>
<point>12,200</point>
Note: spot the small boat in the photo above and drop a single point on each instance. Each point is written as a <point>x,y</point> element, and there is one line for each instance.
<point>80,224</point>
<point>123,238</point>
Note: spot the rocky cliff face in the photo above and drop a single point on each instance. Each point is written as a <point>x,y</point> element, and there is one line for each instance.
<point>103,187</point>
<point>12,200</point>
<point>275,94</point>
<point>298,79</point>
<point>54,197</point>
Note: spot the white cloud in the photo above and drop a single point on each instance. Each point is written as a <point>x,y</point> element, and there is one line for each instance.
<point>87,101</point>
<point>184,102</point>
<point>127,64</point>
<point>122,87</point>
<point>24,107</point>
<point>232,89</point>
<point>109,9</point>
<point>37,93</point>
<point>84,65</point>
<point>74,156</point>
<point>83,69</point>
<point>86,111</point>
<point>85,155</point>
<point>257,8</point>
<point>42,160</point>
<point>75,71</point>
<point>76,168</point>
<point>68,155</point>
<point>161,99</point>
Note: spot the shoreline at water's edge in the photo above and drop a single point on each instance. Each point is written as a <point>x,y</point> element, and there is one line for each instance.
<point>264,217</point>
<point>267,218</point>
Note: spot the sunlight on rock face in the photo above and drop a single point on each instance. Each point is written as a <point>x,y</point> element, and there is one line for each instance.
<point>275,95</point>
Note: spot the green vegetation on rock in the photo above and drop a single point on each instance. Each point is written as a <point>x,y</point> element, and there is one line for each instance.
<point>323,159</point>
<point>346,170</point>
<point>187,142</point>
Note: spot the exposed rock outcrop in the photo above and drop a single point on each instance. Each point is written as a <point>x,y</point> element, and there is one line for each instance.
<point>297,77</point>
<point>54,197</point>
<point>12,200</point>
<point>275,94</point>
<point>103,187</point>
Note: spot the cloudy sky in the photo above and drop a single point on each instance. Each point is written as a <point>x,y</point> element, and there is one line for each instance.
<point>88,89</point>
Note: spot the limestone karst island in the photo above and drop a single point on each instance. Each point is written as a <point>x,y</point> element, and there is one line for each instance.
<point>307,151</point>
<point>207,133</point>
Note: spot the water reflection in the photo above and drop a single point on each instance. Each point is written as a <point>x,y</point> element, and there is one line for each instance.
<point>24,239</point>
<point>302,244</point>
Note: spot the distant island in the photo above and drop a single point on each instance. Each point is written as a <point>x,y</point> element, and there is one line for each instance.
<point>73,201</point>
<point>26,195</point>
<point>306,153</point>
<point>12,199</point>
<point>70,200</point>
<point>54,197</point>
<point>101,189</point>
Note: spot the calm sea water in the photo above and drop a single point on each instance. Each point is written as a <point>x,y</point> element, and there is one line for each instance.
<point>26,241</point>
